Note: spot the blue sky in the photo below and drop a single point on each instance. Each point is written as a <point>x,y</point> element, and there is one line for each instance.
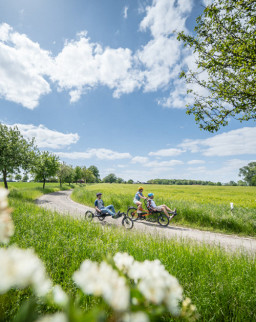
<point>97,82</point>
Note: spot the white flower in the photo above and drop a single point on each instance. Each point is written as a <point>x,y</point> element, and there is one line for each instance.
<point>3,198</point>
<point>123,262</point>
<point>6,227</point>
<point>135,317</point>
<point>57,317</point>
<point>21,268</point>
<point>59,296</point>
<point>102,280</point>
<point>156,284</point>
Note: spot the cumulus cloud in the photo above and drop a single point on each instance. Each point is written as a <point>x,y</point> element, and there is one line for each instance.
<point>235,142</point>
<point>46,138</point>
<point>26,69</point>
<point>23,65</point>
<point>196,162</point>
<point>165,164</point>
<point>139,159</point>
<point>125,12</point>
<point>166,152</point>
<point>102,154</point>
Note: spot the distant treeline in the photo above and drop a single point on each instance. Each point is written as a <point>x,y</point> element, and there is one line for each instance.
<point>193,182</point>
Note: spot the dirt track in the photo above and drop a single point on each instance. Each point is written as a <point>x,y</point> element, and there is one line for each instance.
<point>62,203</point>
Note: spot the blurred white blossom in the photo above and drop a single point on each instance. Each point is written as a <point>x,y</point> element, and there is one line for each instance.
<point>21,268</point>
<point>59,296</point>
<point>102,280</point>
<point>135,317</point>
<point>6,223</point>
<point>3,198</point>
<point>123,262</point>
<point>57,317</point>
<point>154,282</point>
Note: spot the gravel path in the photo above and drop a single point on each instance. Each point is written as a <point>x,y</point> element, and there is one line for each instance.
<point>61,202</point>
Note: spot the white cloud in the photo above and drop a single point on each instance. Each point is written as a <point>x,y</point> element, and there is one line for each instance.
<point>139,159</point>
<point>165,16</point>
<point>22,67</point>
<point>102,154</point>
<point>125,12</point>
<point>163,164</point>
<point>166,152</point>
<point>196,162</point>
<point>235,142</point>
<point>46,138</point>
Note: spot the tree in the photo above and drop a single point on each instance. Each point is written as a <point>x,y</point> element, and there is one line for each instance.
<point>18,177</point>
<point>89,176</point>
<point>111,178</point>
<point>15,152</point>
<point>249,173</point>
<point>130,181</point>
<point>25,178</point>
<point>226,63</point>
<point>69,175</point>
<point>46,166</point>
<point>63,173</point>
<point>77,173</point>
<point>120,180</point>
<point>95,172</point>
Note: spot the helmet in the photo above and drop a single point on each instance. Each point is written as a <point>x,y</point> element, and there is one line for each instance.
<point>98,194</point>
<point>140,188</point>
<point>150,194</point>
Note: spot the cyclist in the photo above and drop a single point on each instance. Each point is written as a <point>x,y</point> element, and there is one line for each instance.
<point>100,208</point>
<point>151,205</point>
<point>137,198</point>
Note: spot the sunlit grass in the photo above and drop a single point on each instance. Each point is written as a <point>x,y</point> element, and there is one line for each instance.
<point>205,207</point>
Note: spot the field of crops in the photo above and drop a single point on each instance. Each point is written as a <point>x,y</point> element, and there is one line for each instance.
<point>205,207</point>
<point>220,284</point>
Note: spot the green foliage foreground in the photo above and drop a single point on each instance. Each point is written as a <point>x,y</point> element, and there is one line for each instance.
<point>221,285</point>
<point>197,206</point>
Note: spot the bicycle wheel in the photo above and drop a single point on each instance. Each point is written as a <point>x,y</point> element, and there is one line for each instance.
<point>132,213</point>
<point>89,215</point>
<point>101,218</point>
<point>127,222</point>
<point>163,220</point>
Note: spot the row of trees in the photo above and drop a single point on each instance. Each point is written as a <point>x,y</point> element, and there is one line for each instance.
<point>17,153</point>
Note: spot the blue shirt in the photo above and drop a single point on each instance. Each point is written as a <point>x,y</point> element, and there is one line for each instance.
<point>99,203</point>
<point>138,195</point>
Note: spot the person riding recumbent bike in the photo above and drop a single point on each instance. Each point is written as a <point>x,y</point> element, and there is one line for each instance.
<point>101,212</point>
<point>160,214</point>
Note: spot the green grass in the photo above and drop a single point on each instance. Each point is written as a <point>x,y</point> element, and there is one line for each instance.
<point>221,285</point>
<point>204,207</point>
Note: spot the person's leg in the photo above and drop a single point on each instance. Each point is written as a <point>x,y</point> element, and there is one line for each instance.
<point>139,205</point>
<point>106,210</point>
<point>111,210</point>
<point>164,210</point>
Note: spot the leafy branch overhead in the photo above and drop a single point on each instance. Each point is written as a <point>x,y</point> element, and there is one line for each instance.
<point>225,51</point>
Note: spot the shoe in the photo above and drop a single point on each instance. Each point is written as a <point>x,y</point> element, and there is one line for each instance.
<point>117,215</point>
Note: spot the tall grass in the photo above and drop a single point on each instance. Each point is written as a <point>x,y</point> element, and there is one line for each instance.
<point>221,285</point>
<point>197,206</point>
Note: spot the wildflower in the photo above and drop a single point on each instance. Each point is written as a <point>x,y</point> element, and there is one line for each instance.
<point>123,262</point>
<point>59,296</point>
<point>21,268</point>
<point>6,227</point>
<point>6,224</point>
<point>135,317</point>
<point>3,198</point>
<point>57,317</point>
<point>102,280</point>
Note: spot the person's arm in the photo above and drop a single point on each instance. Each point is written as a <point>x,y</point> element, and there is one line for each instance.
<point>141,196</point>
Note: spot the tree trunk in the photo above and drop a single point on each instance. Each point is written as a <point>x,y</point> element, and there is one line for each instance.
<point>44,183</point>
<point>60,183</point>
<point>5,179</point>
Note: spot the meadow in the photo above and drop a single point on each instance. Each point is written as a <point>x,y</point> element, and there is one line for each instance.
<point>220,284</point>
<point>204,207</point>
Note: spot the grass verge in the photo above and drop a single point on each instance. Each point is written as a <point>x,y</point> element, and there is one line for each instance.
<point>212,215</point>
<point>221,285</point>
